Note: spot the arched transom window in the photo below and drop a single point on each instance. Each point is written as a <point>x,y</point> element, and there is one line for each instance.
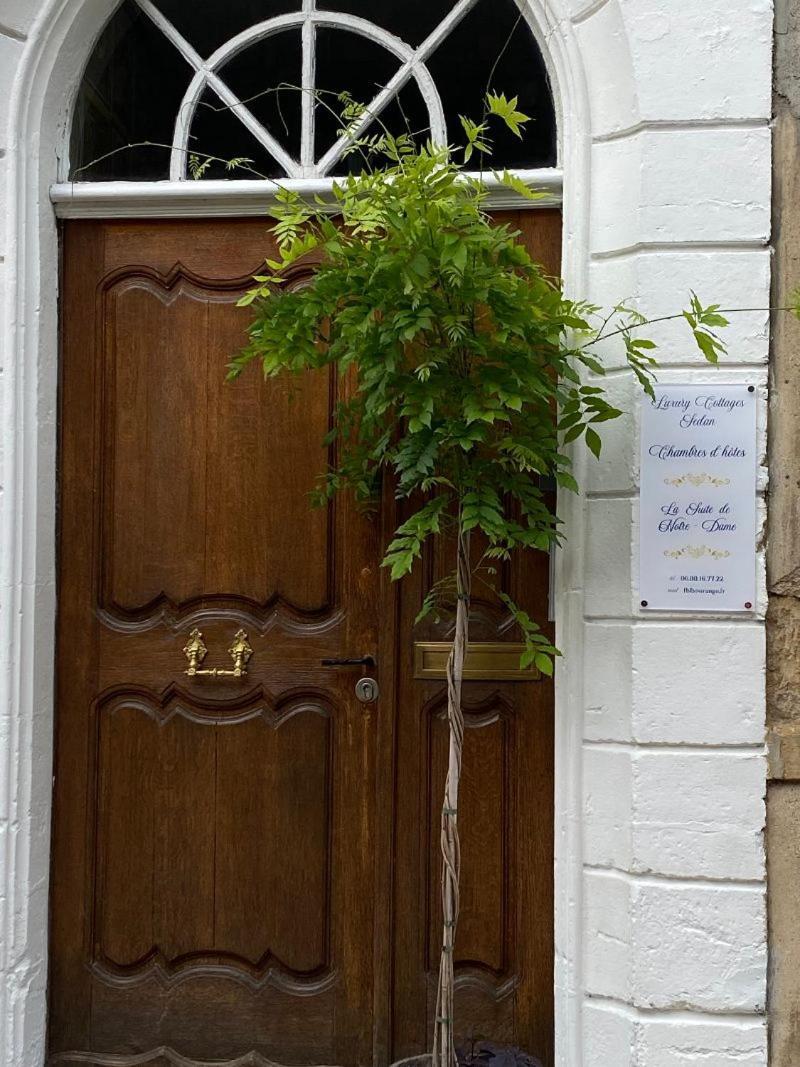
<point>174,83</point>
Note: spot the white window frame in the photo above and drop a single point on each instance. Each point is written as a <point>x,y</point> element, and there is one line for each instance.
<point>216,199</point>
<point>181,196</point>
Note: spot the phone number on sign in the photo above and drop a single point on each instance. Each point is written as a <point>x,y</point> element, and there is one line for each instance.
<point>702,578</point>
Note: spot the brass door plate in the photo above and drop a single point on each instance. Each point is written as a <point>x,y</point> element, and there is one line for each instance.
<point>486,661</point>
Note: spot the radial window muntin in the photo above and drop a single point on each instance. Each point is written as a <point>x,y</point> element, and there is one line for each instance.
<point>307,160</point>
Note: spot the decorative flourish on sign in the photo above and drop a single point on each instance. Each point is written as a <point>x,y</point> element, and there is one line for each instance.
<point>696,480</point>
<point>697,552</point>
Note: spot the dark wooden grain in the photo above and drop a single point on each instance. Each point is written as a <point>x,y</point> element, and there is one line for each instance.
<point>504,947</point>
<point>247,867</point>
<point>214,839</point>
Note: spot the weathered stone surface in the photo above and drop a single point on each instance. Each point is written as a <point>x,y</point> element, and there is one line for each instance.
<point>783,866</point>
<point>783,668</point>
<point>783,558</point>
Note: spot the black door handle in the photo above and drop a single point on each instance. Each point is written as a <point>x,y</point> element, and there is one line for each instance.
<point>365,661</point>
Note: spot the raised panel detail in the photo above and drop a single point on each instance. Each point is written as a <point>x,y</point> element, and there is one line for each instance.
<point>205,484</point>
<point>213,841</point>
<point>484,819</point>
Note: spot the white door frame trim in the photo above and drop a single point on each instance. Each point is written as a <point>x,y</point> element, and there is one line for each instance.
<point>43,91</point>
<point>219,199</point>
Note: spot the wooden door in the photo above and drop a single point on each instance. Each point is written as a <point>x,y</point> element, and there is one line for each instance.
<point>504,944</point>
<point>242,867</point>
<point>213,856</point>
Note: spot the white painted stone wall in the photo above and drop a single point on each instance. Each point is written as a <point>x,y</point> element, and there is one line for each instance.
<point>660,769</point>
<point>674,950</point>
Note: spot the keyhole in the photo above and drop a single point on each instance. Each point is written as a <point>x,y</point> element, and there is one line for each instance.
<point>367,690</point>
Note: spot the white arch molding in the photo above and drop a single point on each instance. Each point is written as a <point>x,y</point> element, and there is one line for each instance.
<point>47,80</point>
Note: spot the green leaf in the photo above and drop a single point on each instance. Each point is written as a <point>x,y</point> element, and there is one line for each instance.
<point>593,441</point>
<point>543,663</point>
<point>574,433</point>
<point>709,345</point>
<point>499,105</point>
<point>517,185</point>
<point>566,481</point>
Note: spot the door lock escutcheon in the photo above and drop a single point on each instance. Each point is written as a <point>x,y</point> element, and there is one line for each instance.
<point>367,690</point>
<point>196,651</point>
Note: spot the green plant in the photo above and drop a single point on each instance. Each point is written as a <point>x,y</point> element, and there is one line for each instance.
<point>468,367</point>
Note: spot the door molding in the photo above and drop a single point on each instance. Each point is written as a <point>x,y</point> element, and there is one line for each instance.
<point>43,89</point>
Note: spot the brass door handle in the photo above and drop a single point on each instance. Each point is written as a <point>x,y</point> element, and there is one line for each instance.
<point>196,651</point>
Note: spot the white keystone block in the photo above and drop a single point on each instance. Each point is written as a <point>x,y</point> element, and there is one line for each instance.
<point>698,815</point>
<point>701,61</point>
<point>699,947</point>
<point>607,781</point>
<point>607,936</point>
<point>608,557</point>
<point>668,185</point>
<point>660,283</point>
<point>609,1036</point>
<point>698,684</point>
<point>664,1043</point>
<point>607,661</point>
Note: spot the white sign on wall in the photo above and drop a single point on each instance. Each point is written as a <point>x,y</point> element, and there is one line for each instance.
<point>698,499</point>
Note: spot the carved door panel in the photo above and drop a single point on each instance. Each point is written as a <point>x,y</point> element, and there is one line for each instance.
<point>213,840</point>
<point>245,869</point>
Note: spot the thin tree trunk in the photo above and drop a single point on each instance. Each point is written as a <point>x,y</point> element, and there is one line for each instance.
<point>444,1033</point>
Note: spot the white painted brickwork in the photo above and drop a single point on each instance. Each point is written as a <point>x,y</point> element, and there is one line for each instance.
<point>673,775</point>
<point>661,956</point>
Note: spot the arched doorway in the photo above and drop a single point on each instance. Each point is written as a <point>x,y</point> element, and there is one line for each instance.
<point>92,198</point>
<point>248,867</point>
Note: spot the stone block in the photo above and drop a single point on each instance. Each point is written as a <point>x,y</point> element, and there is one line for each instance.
<point>698,815</point>
<point>607,794</point>
<point>723,1043</point>
<point>668,186</point>
<point>607,681</point>
<point>607,948</point>
<point>659,283</point>
<point>608,557</point>
<point>698,683</point>
<point>699,947</point>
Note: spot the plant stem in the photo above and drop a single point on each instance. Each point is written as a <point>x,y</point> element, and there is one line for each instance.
<point>444,1033</point>
<point>600,336</point>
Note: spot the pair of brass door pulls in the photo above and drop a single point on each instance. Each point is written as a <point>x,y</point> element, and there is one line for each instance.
<point>240,652</point>
<point>495,661</point>
<point>195,651</point>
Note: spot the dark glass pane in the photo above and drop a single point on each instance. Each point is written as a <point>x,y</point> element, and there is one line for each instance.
<point>265,77</point>
<point>406,113</point>
<point>411,20</point>
<point>217,132</point>
<point>207,24</point>
<point>131,92</point>
<point>493,47</point>
<point>347,62</point>
<point>136,79</point>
